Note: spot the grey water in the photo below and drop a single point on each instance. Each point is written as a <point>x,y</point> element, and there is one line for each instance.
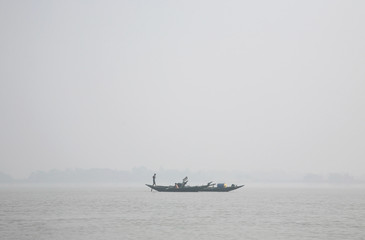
<point>137,213</point>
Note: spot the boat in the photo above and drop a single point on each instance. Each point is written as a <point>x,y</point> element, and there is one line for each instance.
<point>182,187</point>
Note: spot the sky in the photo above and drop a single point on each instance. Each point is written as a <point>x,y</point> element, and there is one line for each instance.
<point>199,85</point>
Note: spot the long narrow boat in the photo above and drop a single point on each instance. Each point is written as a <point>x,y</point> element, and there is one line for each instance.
<point>181,187</point>
<point>194,188</point>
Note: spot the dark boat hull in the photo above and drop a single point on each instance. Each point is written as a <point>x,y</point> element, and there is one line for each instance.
<point>205,188</point>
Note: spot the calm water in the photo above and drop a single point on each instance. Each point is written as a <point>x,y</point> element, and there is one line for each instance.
<point>136,213</point>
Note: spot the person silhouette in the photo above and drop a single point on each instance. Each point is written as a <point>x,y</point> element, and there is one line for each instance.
<point>154,180</point>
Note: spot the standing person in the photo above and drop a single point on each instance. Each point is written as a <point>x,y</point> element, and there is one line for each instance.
<point>154,179</point>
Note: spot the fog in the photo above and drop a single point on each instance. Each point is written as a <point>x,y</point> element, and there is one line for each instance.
<point>269,86</point>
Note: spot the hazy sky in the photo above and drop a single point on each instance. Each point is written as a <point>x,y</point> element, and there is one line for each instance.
<point>241,85</point>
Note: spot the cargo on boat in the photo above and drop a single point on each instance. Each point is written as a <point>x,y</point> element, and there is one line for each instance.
<point>221,187</point>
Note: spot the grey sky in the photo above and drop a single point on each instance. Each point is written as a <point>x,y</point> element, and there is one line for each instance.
<point>251,85</point>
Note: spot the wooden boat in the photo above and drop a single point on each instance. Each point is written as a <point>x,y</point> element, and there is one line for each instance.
<point>182,187</point>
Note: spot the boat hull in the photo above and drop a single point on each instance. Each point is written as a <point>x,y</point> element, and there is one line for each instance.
<point>205,188</point>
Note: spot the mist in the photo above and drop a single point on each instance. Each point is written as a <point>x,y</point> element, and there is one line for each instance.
<point>252,86</point>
